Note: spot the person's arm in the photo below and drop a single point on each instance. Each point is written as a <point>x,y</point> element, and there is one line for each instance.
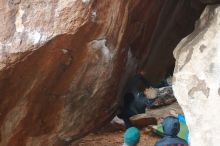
<point>148,102</point>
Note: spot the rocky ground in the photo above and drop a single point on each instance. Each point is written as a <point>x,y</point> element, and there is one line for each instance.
<point>114,137</point>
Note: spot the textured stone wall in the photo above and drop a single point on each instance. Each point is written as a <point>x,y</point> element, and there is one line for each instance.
<point>60,68</point>
<point>197,80</point>
<point>63,63</point>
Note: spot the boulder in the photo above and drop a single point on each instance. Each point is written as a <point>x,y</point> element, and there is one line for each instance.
<point>197,81</point>
<point>63,63</point>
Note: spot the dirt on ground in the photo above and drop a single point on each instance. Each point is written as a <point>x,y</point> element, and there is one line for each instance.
<point>115,139</point>
<point>110,136</point>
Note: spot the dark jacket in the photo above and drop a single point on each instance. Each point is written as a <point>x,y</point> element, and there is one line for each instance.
<point>171,128</point>
<point>134,100</point>
<point>140,103</point>
<point>136,103</point>
<point>136,84</point>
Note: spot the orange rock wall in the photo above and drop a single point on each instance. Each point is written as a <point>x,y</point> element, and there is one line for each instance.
<point>63,63</point>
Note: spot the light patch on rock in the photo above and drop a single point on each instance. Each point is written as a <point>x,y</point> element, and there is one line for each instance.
<point>131,62</point>
<point>101,45</point>
<point>62,5</point>
<point>18,23</point>
<point>94,15</point>
<point>86,1</point>
<point>37,37</point>
<point>64,51</point>
<point>34,36</point>
<point>1,48</point>
<point>67,139</point>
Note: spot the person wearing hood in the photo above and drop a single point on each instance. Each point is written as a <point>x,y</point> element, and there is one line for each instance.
<point>131,137</point>
<point>171,128</point>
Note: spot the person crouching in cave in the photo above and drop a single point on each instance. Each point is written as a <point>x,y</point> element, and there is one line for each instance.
<point>135,100</point>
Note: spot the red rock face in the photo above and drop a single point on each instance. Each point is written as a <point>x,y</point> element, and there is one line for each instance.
<point>63,64</point>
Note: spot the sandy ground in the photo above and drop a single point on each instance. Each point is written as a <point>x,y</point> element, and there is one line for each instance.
<point>115,139</point>
<point>112,137</point>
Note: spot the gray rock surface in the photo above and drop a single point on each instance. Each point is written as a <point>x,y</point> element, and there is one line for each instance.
<point>197,79</point>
